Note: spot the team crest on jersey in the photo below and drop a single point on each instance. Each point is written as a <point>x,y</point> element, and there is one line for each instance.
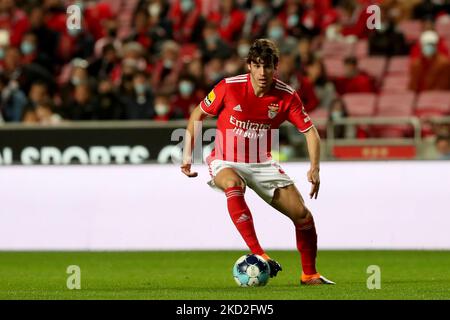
<point>273,110</point>
<point>210,98</point>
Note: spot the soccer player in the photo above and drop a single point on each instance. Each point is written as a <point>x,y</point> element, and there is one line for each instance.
<point>248,108</point>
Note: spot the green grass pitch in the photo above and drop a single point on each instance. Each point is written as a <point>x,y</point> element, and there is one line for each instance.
<point>207,275</point>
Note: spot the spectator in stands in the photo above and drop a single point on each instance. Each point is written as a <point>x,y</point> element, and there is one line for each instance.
<point>25,74</point>
<point>78,74</point>
<point>195,69</point>
<point>187,21</point>
<point>160,28</point>
<point>214,72</point>
<point>162,108</point>
<point>230,20</point>
<point>387,40</point>
<point>186,99</point>
<point>14,20</point>
<point>140,32</point>
<point>236,64</point>
<point>108,105</point>
<point>304,53</point>
<point>288,73</point>
<point>257,19</point>
<point>338,111</point>
<point>354,80</point>
<point>38,94</point>
<point>82,104</point>
<point>31,53</point>
<point>277,33</point>
<point>353,19</point>
<point>443,147</point>
<point>167,68</point>
<point>42,114</point>
<point>324,89</point>
<point>432,70</point>
<point>416,49</point>
<point>212,46</point>
<point>47,38</point>
<point>104,65</point>
<point>139,103</point>
<point>12,100</point>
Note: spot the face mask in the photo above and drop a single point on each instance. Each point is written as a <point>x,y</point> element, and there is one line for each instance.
<point>168,64</point>
<point>186,5</point>
<point>186,88</point>
<point>27,48</point>
<point>154,10</point>
<point>243,50</point>
<point>335,115</point>
<point>212,39</point>
<point>76,81</point>
<point>428,50</point>
<point>292,20</point>
<point>139,88</point>
<point>73,32</point>
<point>276,33</point>
<point>258,9</point>
<point>161,109</point>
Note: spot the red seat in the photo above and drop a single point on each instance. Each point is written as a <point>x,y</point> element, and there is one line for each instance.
<point>433,103</point>
<point>337,49</point>
<point>360,104</point>
<point>443,26</point>
<point>395,83</point>
<point>319,114</point>
<point>394,105</point>
<point>334,67</point>
<point>398,65</point>
<point>361,49</point>
<point>412,29</point>
<point>375,66</point>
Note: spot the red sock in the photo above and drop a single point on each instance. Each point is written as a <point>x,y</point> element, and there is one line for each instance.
<point>307,245</point>
<point>242,218</point>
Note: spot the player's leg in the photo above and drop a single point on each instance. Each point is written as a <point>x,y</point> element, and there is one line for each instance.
<point>234,187</point>
<point>289,201</point>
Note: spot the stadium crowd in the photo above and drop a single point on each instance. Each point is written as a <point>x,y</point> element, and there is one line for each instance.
<point>155,59</point>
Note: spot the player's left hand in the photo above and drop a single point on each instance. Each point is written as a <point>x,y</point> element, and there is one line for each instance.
<point>314,178</point>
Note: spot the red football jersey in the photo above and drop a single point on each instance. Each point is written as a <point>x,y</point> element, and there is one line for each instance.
<point>246,124</point>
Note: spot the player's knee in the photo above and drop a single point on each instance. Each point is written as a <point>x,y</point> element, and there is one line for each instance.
<point>301,215</point>
<point>231,183</point>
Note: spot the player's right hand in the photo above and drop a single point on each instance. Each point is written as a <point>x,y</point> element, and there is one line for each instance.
<point>186,169</point>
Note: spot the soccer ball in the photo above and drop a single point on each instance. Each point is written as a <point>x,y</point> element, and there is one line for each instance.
<point>251,270</point>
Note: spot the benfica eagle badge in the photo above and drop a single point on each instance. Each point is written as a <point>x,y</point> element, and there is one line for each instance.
<point>273,110</point>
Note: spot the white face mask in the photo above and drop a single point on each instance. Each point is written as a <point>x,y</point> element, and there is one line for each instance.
<point>428,50</point>
<point>161,109</point>
<point>154,9</point>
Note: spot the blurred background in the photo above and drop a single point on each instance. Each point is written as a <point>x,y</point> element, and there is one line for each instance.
<point>115,90</point>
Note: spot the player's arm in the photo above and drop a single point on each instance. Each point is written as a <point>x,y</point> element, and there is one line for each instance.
<point>313,142</point>
<point>210,106</point>
<point>299,118</point>
<point>192,131</point>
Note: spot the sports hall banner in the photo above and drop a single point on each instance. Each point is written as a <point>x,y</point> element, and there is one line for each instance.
<point>90,145</point>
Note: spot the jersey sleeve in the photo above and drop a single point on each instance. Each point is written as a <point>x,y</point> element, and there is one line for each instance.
<point>298,116</point>
<point>213,102</point>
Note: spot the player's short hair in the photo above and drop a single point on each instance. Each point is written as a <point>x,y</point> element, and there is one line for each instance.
<point>263,51</point>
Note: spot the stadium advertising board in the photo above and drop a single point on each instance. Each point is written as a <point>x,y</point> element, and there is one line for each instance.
<point>90,146</point>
